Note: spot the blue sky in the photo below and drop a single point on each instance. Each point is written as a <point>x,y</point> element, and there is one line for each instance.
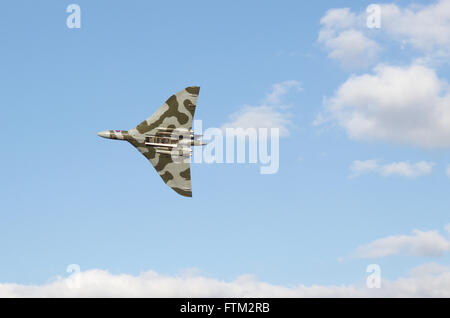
<point>68,196</point>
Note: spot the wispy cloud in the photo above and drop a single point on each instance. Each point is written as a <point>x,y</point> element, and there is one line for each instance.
<point>281,89</point>
<point>402,168</point>
<point>271,113</point>
<point>418,243</point>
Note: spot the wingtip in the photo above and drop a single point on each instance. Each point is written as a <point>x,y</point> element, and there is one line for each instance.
<point>194,90</point>
<point>184,193</point>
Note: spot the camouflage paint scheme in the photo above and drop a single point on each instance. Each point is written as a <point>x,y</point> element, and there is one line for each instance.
<point>172,120</point>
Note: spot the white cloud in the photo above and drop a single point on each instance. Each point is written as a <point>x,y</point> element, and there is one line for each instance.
<point>271,113</point>
<point>402,168</point>
<point>425,28</point>
<point>338,19</point>
<point>419,243</point>
<point>345,43</point>
<point>352,48</point>
<point>429,280</point>
<point>403,104</point>
<point>408,105</point>
<point>448,171</point>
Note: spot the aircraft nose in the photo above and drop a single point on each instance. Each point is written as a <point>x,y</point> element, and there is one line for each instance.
<point>104,134</point>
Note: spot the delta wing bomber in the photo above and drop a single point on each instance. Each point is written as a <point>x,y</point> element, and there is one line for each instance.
<point>165,139</point>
